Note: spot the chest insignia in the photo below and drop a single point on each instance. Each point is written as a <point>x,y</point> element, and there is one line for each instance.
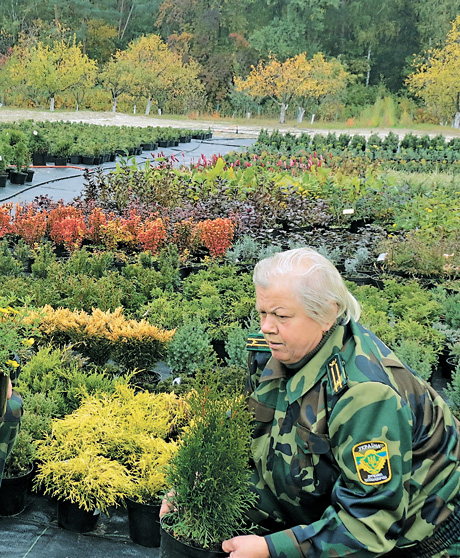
<point>372,462</point>
<point>256,342</point>
<point>336,374</point>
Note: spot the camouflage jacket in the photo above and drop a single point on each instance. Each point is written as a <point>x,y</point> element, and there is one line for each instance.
<point>354,454</point>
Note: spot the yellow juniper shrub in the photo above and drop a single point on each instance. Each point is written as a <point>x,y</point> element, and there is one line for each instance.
<point>102,335</point>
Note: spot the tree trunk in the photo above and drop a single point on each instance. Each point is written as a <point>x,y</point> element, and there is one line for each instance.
<point>114,105</point>
<point>159,111</point>
<point>312,118</point>
<point>248,115</point>
<point>284,108</point>
<point>456,123</point>
<point>52,102</point>
<point>78,107</point>
<point>300,114</point>
<point>368,75</point>
<point>134,108</point>
<point>149,106</point>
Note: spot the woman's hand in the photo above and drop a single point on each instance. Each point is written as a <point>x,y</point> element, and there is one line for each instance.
<point>166,506</point>
<point>246,546</point>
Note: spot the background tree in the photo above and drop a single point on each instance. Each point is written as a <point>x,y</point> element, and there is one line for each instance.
<point>322,78</point>
<point>288,27</point>
<point>210,26</point>
<point>157,72</point>
<point>115,76</point>
<point>280,81</point>
<point>55,69</point>
<point>436,79</point>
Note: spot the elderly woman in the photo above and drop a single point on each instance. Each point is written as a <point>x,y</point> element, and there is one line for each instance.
<point>354,455</point>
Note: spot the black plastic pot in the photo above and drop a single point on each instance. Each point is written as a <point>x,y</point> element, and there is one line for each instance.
<point>39,159</point>
<point>13,494</point>
<point>449,367</point>
<point>173,548</point>
<point>76,519</point>
<point>144,523</point>
<point>18,177</point>
<point>87,160</point>
<point>3,180</point>
<point>60,161</point>
<point>30,175</point>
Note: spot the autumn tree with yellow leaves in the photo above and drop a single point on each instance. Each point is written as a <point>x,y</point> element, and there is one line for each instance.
<point>53,69</point>
<point>157,72</point>
<point>324,78</point>
<point>436,79</point>
<point>148,69</point>
<point>297,79</point>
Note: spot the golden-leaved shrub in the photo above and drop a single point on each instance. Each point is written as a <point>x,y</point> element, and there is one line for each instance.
<point>103,335</point>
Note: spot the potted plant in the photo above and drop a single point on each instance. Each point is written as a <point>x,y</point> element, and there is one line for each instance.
<point>101,454</point>
<point>39,410</point>
<point>143,499</point>
<point>26,168</point>
<point>209,474</point>
<point>39,146</point>
<point>6,152</point>
<point>16,475</point>
<point>61,151</point>
<point>19,159</point>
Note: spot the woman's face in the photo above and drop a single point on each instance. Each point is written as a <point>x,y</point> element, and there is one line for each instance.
<point>290,333</point>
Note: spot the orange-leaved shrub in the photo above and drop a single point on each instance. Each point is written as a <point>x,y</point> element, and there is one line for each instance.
<point>152,235</point>
<point>217,235</point>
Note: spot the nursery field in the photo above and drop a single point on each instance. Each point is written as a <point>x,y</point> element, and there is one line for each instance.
<point>138,293</point>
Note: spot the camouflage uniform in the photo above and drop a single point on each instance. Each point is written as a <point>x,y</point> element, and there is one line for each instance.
<point>9,428</point>
<point>354,455</point>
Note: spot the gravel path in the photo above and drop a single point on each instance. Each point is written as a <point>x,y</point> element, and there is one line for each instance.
<point>218,126</point>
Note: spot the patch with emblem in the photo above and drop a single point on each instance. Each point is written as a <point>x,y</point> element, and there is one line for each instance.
<point>337,376</point>
<point>372,462</point>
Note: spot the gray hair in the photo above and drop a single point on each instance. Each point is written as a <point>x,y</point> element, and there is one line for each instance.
<point>319,286</point>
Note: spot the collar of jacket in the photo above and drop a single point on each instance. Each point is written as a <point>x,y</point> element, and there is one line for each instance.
<point>305,378</point>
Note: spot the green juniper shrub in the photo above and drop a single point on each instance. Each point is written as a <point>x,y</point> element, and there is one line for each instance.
<point>450,307</point>
<point>23,253</point>
<point>402,315</point>
<point>20,460</point>
<point>235,346</point>
<point>343,141</point>
<point>167,310</point>
<point>8,264</point>
<point>358,142</point>
<point>453,391</point>
<point>45,257</point>
<point>189,348</point>
<point>210,471</point>
<point>374,142</point>
<point>409,141</point>
<point>65,376</point>
<point>390,142</point>
<point>417,356</point>
<point>168,264</point>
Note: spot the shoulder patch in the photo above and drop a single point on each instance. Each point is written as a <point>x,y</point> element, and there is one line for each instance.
<point>336,374</point>
<point>372,462</point>
<point>256,342</point>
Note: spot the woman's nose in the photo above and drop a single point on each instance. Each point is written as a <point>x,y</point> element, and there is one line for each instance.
<point>267,324</point>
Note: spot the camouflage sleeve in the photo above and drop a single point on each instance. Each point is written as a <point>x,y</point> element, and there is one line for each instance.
<point>370,431</point>
<point>9,428</point>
